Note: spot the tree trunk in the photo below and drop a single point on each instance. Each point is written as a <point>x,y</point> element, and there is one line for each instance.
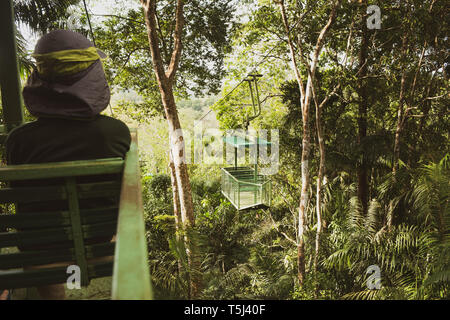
<point>399,126</point>
<point>304,199</point>
<point>320,175</point>
<point>176,207</point>
<point>166,80</point>
<point>305,100</point>
<point>176,197</point>
<point>178,150</point>
<point>400,111</point>
<point>362,170</point>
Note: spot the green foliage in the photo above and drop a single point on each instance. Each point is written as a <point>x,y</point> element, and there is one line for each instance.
<point>197,104</point>
<point>205,41</point>
<point>252,254</point>
<point>40,15</point>
<point>413,256</point>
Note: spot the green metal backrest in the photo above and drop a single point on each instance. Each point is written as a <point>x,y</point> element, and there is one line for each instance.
<point>73,227</point>
<point>49,236</point>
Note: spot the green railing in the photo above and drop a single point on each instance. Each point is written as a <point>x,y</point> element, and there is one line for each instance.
<point>131,276</point>
<point>244,188</point>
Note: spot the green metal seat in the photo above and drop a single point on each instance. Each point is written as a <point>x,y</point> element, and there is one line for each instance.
<point>56,236</point>
<point>70,232</point>
<point>71,236</point>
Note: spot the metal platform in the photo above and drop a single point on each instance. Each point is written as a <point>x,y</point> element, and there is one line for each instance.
<point>246,189</point>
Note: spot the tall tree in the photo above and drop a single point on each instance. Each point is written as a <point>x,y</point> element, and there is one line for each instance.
<point>412,57</point>
<point>168,70</point>
<point>305,101</point>
<point>362,89</point>
<point>165,76</point>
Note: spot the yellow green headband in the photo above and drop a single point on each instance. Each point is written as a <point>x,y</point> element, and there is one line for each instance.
<point>65,62</point>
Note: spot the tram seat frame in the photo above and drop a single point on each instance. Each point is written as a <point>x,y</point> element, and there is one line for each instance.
<point>68,231</point>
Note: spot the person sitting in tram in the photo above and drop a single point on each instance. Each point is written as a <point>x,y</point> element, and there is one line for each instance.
<point>66,93</point>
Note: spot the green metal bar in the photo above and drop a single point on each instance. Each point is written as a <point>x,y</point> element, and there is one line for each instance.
<point>256,163</point>
<point>251,94</point>
<point>239,195</point>
<point>32,194</point>
<point>255,177</point>
<point>35,237</point>
<point>9,69</point>
<point>230,175</point>
<point>235,152</point>
<point>131,275</point>
<point>60,169</point>
<point>229,199</point>
<point>235,197</point>
<point>38,277</point>
<point>53,235</point>
<point>55,219</point>
<point>270,194</point>
<point>249,184</point>
<point>238,181</point>
<point>255,78</point>
<point>77,230</point>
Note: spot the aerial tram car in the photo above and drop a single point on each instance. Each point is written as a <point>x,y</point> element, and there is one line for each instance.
<point>244,186</point>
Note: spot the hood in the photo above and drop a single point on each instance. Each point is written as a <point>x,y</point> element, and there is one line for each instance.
<point>69,80</point>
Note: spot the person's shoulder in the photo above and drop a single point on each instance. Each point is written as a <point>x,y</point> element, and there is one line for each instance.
<point>106,120</point>
<point>113,126</point>
<point>18,140</point>
<point>23,130</point>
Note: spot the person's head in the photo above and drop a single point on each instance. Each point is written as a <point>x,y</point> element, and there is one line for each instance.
<point>69,80</point>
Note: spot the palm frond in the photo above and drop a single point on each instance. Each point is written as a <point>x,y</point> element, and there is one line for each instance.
<point>40,15</point>
<point>25,63</point>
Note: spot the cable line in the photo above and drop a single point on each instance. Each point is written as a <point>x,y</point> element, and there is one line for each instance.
<point>235,87</point>
<point>95,45</point>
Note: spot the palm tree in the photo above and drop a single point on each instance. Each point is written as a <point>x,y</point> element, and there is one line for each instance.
<point>413,255</point>
<point>40,16</point>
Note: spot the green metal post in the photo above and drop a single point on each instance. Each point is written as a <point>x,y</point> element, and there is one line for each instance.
<point>270,193</point>
<point>255,178</point>
<point>235,152</point>
<point>77,230</point>
<point>239,196</point>
<point>256,160</point>
<point>251,94</point>
<point>257,97</point>
<point>9,70</point>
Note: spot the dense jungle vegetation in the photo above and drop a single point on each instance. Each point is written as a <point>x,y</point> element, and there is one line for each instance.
<point>363,129</point>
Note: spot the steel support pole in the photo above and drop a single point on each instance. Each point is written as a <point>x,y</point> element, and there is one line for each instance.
<point>9,69</point>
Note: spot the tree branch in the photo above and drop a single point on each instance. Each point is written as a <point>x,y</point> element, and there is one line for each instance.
<point>149,7</point>
<point>275,225</point>
<point>118,17</point>
<point>176,54</point>
<point>292,51</point>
